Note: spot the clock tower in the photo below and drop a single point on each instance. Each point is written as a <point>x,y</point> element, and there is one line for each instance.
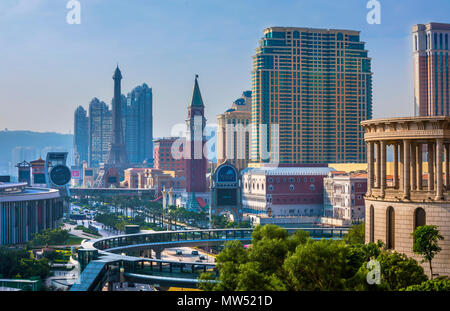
<point>196,162</point>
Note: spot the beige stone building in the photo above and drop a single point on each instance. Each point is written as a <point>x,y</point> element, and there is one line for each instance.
<point>233,133</point>
<point>413,199</point>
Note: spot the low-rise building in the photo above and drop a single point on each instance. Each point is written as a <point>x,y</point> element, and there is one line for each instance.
<point>151,178</point>
<point>284,191</point>
<point>164,158</point>
<point>344,195</point>
<point>25,211</point>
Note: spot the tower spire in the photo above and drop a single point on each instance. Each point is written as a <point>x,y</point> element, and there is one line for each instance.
<point>196,100</point>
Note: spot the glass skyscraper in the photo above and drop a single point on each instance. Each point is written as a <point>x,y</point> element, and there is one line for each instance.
<point>139,125</point>
<point>81,136</point>
<point>316,84</point>
<point>100,124</point>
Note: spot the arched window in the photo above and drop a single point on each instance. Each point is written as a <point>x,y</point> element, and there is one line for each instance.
<point>390,227</point>
<point>372,225</point>
<point>419,217</point>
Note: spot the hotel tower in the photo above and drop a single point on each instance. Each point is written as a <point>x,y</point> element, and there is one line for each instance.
<point>316,84</point>
<point>431,72</point>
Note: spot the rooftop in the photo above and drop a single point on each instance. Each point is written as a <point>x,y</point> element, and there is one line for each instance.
<point>288,170</point>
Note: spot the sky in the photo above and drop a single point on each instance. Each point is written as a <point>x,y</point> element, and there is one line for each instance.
<point>49,67</point>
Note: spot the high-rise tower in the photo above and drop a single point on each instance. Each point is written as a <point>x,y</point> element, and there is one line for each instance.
<point>196,162</point>
<point>81,136</point>
<point>139,125</point>
<point>431,69</point>
<point>311,88</point>
<point>117,154</point>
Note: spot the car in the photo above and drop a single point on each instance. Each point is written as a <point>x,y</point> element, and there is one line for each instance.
<point>178,252</point>
<point>202,258</point>
<point>195,253</point>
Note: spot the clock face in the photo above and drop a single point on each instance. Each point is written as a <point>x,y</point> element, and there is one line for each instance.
<point>60,175</point>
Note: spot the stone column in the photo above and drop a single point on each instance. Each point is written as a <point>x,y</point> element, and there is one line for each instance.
<point>401,166</point>
<point>413,167</point>
<point>430,167</point>
<point>439,190</point>
<point>370,178</point>
<point>383,168</point>
<point>395,173</point>
<point>419,163</point>
<point>378,165</point>
<point>447,166</point>
<point>406,169</point>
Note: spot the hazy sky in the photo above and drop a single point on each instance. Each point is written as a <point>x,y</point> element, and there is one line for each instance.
<point>49,67</point>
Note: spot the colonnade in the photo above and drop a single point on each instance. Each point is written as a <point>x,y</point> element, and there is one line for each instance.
<point>407,166</point>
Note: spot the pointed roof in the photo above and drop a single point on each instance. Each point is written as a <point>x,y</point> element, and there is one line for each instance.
<point>196,100</point>
<point>117,73</point>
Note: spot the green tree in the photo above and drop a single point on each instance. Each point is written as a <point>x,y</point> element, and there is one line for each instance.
<point>397,271</point>
<point>356,234</point>
<point>50,237</point>
<point>299,237</point>
<point>426,243</point>
<point>228,263</point>
<point>438,284</point>
<point>269,254</point>
<point>268,231</point>
<point>253,277</point>
<point>317,265</point>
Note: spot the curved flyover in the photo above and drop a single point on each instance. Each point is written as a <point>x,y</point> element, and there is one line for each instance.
<point>127,250</point>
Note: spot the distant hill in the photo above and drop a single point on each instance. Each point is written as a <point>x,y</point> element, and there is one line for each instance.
<point>16,146</point>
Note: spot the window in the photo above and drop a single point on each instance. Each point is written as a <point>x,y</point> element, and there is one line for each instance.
<point>270,179</point>
<point>312,187</point>
<point>312,179</point>
<point>390,227</point>
<point>270,187</point>
<point>291,187</point>
<point>419,217</point>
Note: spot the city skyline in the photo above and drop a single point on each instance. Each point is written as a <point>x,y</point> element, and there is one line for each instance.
<point>226,47</point>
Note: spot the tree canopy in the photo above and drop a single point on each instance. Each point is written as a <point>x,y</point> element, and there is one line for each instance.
<point>277,261</point>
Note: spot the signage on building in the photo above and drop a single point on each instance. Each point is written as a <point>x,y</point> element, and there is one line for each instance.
<point>76,174</point>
